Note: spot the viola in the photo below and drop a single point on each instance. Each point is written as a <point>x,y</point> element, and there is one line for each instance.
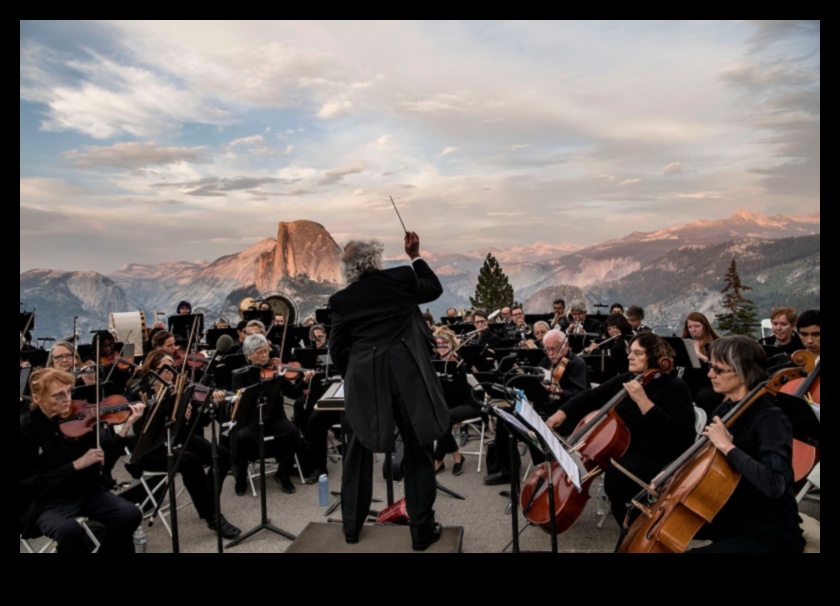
<point>113,410</point>
<point>691,491</point>
<point>600,437</point>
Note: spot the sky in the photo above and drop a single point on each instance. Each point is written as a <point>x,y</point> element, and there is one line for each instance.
<point>154,141</point>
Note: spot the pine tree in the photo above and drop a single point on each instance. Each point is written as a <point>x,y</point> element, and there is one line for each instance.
<point>740,316</point>
<point>493,290</point>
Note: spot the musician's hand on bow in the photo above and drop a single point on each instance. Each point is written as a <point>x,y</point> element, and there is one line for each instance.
<point>556,420</point>
<point>637,394</point>
<point>218,396</point>
<point>719,435</point>
<point>94,456</point>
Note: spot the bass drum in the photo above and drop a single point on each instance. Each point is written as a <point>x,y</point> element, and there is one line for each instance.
<point>281,303</point>
<point>130,327</point>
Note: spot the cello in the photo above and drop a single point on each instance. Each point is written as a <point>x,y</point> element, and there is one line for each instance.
<point>805,456</point>
<point>691,491</point>
<point>600,437</point>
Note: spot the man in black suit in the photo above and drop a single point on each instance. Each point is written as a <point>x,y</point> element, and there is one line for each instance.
<point>381,345</point>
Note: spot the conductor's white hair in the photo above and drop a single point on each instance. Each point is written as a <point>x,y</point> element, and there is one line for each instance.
<point>361,257</point>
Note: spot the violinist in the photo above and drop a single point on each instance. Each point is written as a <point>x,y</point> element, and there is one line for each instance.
<point>60,478</point>
<point>761,516</point>
<point>221,323</point>
<point>808,328</point>
<point>457,393</point>
<point>566,377</point>
<point>658,416</point>
<point>244,440</point>
<point>165,340</point>
<point>63,356</point>
<point>255,327</point>
<point>317,337</point>
<point>197,451</point>
<point>118,370</point>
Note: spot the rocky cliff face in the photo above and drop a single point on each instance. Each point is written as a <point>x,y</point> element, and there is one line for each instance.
<point>304,248</point>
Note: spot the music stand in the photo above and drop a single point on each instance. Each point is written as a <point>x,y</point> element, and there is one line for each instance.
<point>37,358</point>
<point>213,335</point>
<point>477,357</point>
<point>252,406</point>
<point>266,316</point>
<point>25,323</point>
<point>181,325</point>
<point>223,373</point>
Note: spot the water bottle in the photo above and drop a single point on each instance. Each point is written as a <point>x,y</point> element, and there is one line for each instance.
<point>323,490</point>
<point>140,539</point>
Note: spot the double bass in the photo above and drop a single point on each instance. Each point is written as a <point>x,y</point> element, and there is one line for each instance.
<point>600,437</point>
<point>691,491</point>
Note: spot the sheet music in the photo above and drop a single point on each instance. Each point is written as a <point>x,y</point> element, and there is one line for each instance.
<point>563,458</point>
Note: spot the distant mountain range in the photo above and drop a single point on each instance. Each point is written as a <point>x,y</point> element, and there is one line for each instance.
<point>669,272</point>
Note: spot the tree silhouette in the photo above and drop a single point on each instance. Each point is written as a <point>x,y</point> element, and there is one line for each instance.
<point>493,290</point>
<point>740,316</point>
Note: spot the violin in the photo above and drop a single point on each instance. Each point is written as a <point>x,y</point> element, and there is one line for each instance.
<point>691,491</point>
<point>600,437</point>
<point>181,358</point>
<point>290,371</point>
<point>113,410</point>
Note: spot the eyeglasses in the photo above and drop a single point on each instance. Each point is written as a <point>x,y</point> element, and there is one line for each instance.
<point>554,348</point>
<point>637,353</point>
<point>720,371</point>
<point>63,357</point>
<point>60,397</point>
<point>477,322</point>
<point>518,313</point>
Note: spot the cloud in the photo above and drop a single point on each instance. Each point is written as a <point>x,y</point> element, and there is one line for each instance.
<point>335,108</point>
<point>519,146</point>
<point>134,154</point>
<point>673,168</point>
<point>630,182</point>
<point>214,186</point>
<point>701,195</point>
<point>255,145</point>
<point>448,150</point>
<point>337,174</point>
<point>289,149</point>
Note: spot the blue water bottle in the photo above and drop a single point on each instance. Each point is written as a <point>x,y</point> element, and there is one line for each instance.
<point>323,490</point>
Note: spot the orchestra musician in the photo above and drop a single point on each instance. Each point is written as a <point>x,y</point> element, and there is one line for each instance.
<point>518,329</point>
<point>698,328</point>
<point>317,337</point>
<point>658,416</point>
<point>221,323</point>
<point>184,308</point>
<point>456,390</point>
<point>559,321</point>
<point>380,344</point>
<point>245,440</point>
<point>63,356</point>
<point>559,360</point>
<point>762,515</point>
<point>808,328</point>
<point>195,455</point>
<point>60,478</point>
<point>618,329</point>
<point>485,337</point>
<point>119,370</point>
<point>581,323</point>
<point>164,340</point>
<point>783,322</point>
<point>536,342</point>
<point>635,316</point>
<point>617,308</point>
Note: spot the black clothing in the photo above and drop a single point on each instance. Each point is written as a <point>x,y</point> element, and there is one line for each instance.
<point>53,493</point>
<point>762,511</point>
<point>573,382</point>
<point>244,439</point>
<point>381,345</point>
<point>795,344</point>
<point>656,438</point>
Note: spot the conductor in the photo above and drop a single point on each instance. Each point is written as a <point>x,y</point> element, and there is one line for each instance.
<point>381,345</point>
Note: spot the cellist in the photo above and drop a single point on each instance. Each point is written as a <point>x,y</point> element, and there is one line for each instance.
<point>761,516</point>
<point>659,417</point>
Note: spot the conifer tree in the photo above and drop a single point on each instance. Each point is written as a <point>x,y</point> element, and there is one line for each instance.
<point>740,316</point>
<point>493,290</point>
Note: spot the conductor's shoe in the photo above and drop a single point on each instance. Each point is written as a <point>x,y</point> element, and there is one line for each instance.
<point>500,477</point>
<point>229,531</point>
<point>351,539</point>
<point>434,537</point>
<point>240,486</point>
<point>285,483</point>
